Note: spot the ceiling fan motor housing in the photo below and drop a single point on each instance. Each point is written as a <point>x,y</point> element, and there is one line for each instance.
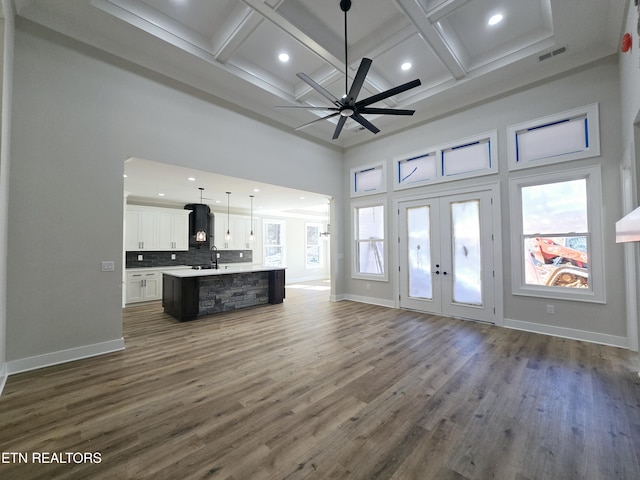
<point>345,5</point>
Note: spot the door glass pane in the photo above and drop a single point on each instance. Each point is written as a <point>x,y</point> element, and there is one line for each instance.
<point>419,252</point>
<point>467,258</point>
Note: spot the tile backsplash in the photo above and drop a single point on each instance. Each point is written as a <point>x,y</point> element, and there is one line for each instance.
<point>195,256</point>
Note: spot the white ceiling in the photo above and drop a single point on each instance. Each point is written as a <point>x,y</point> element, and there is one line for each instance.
<point>229,49</point>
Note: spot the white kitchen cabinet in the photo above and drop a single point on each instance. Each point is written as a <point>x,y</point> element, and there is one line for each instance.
<point>141,229</point>
<point>144,286</point>
<point>240,229</point>
<point>159,229</point>
<point>173,230</point>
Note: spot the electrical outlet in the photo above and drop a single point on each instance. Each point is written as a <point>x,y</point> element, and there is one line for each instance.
<point>368,286</point>
<point>140,258</point>
<point>551,309</point>
<point>240,254</point>
<point>173,256</point>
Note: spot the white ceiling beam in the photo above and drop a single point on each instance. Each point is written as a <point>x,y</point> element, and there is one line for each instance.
<point>432,36</point>
<point>238,26</point>
<point>287,27</point>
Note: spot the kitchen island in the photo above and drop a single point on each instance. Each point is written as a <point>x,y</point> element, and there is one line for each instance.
<point>188,294</point>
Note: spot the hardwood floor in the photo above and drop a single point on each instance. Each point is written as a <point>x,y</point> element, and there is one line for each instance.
<point>317,390</point>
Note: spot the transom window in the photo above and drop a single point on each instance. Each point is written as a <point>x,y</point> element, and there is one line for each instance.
<point>464,158</point>
<point>561,137</point>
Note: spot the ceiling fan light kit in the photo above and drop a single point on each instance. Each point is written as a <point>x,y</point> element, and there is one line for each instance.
<point>348,106</point>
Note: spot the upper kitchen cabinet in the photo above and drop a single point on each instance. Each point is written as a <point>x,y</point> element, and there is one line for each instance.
<point>141,229</point>
<point>158,229</point>
<point>173,230</point>
<point>239,228</point>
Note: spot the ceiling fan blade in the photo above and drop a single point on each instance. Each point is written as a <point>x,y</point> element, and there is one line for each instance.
<point>358,81</point>
<point>338,129</point>
<point>319,88</point>
<point>365,123</point>
<point>302,107</point>
<point>317,120</point>
<point>388,93</point>
<point>385,111</point>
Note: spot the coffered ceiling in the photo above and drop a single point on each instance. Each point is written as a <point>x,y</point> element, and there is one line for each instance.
<point>230,49</point>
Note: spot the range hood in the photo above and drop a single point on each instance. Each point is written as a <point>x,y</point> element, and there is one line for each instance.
<point>628,227</point>
<point>199,224</point>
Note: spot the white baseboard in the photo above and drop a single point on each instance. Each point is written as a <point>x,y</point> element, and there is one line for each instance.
<point>311,278</point>
<point>371,300</point>
<point>63,356</point>
<point>592,337</point>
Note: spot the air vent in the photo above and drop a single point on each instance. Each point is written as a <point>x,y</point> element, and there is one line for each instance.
<point>553,53</point>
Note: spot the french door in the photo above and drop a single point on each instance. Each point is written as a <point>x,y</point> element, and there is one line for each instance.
<point>446,255</point>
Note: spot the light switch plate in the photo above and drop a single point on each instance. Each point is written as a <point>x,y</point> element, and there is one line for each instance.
<point>108,266</point>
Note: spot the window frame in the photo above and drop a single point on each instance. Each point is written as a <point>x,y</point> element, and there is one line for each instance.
<point>283,240</point>
<point>355,207</point>
<point>491,137</point>
<point>596,292</point>
<point>382,166</point>
<point>592,116</point>
<point>319,227</point>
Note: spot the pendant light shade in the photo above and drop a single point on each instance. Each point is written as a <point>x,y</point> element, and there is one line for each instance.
<point>201,228</point>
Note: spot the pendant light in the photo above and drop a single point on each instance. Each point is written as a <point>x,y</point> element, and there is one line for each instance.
<point>251,224</point>
<point>201,230</point>
<point>228,235</point>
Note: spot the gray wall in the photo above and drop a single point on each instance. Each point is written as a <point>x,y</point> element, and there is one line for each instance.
<point>597,83</point>
<point>78,115</point>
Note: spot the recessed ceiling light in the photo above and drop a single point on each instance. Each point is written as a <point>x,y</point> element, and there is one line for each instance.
<point>283,57</point>
<point>161,194</point>
<point>191,179</point>
<point>125,175</point>
<point>406,66</point>
<point>301,198</point>
<point>495,19</point>
<point>256,189</point>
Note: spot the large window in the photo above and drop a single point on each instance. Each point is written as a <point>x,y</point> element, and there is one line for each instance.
<point>369,246</point>
<point>312,245</point>
<point>557,249</point>
<point>274,243</point>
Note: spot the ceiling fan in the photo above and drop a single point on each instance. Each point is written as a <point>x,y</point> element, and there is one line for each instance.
<point>348,106</point>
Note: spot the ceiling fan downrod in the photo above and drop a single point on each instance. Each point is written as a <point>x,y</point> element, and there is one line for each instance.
<point>345,5</point>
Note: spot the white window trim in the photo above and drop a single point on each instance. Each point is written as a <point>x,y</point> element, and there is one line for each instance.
<point>363,168</point>
<point>491,136</point>
<point>283,239</point>
<point>596,292</point>
<point>593,132</point>
<point>383,277</point>
<point>306,245</point>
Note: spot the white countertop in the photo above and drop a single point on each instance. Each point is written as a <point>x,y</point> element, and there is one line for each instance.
<point>189,272</point>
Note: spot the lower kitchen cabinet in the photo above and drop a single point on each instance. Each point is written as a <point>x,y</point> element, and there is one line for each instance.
<point>144,286</point>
